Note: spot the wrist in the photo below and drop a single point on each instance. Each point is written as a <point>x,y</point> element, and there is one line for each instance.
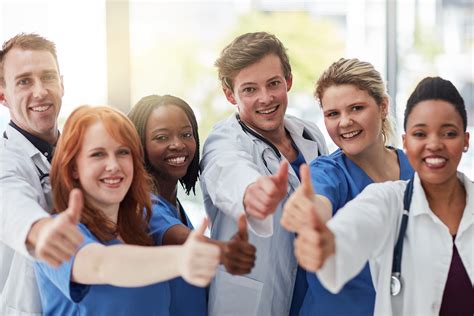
<point>34,232</point>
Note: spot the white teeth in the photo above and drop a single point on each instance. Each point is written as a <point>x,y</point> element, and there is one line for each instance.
<point>435,161</point>
<point>350,134</point>
<point>177,160</point>
<point>268,111</point>
<point>40,108</point>
<point>111,181</point>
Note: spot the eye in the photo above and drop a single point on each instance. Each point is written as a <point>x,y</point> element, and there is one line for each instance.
<point>331,114</point>
<point>23,82</point>
<point>97,154</point>
<point>418,134</point>
<point>451,134</point>
<point>124,152</point>
<point>187,135</point>
<point>160,138</point>
<point>248,89</point>
<point>49,77</point>
<point>275,83</point>
<point>357,107</point>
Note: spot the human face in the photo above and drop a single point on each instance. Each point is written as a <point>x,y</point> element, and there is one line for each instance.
<point>353,119</point>
<point>261,95</point>
<point>33,91</point>
<point>434,140</point>
<point>170,143</point>
<point>104,168</point>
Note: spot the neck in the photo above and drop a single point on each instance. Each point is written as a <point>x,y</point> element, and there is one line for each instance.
<point>447,201</point>
<point>167,189</point>
<point>111,212</point>
<point>378,162</point>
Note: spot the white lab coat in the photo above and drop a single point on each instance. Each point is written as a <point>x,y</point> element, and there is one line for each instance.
<point>23,201</point>
<point>367,228</point>
<point>233,159</point>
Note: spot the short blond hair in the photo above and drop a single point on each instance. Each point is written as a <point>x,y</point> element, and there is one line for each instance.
<point>26,41</point>
<point>246,50</point>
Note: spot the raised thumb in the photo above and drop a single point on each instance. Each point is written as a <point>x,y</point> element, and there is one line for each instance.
<point>75,205</point>
<point>242,227</point>
<point>305,176</point>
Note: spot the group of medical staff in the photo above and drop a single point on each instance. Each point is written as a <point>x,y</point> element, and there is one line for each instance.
<point>91,224</point>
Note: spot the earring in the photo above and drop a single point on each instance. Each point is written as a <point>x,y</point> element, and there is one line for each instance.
<point>465,149</point>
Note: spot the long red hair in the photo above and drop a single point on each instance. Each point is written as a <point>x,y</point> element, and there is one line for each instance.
<point>135,209</point>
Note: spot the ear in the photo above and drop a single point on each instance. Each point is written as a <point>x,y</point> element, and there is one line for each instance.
<point>2,97</point>
<point>404,142</point>
<point>289,82</point>
<point>75,174</point>
<point>466,139</point>
<point>62,85</point>
<point>384,106</point>
<point>229,95</point>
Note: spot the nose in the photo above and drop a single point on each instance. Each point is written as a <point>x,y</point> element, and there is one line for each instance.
<point>112,164</point>
<point>434,143</point>
<point>177,144</point>
<point>265,96</point>
<point>39,91</point>
<point>345,120</point>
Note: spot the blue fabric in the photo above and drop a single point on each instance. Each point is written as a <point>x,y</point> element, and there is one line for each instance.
<point>301,285</point>
<point>340,180</point>
<point>60,296</point>
<point>186,299</point>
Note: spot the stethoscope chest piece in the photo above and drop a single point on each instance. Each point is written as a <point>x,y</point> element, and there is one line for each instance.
<point>395,284</point>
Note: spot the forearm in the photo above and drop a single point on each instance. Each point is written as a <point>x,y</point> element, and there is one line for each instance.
<point>126,265</point>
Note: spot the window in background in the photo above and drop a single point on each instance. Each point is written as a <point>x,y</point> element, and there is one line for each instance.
<point>78,29</point>
<point>436,38</point>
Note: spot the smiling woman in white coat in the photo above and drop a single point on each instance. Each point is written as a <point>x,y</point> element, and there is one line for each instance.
<point>418,235</point>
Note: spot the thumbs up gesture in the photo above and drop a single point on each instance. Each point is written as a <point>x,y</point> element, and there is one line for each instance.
<point>314,244</point>
<point>238,255</point>
<point>301,204</point>
<point>262,197</point>
<point>200,258</point>
<point>56,239</point>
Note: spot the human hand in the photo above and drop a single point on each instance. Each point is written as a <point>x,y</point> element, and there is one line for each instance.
<point>200,258</point>
<point>56,239</point>
<point>314,244</point>
<point>262,197</point>
<point>238,254</point>
<point>300,204</point>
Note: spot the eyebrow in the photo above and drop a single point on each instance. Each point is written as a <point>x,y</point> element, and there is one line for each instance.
<point>443,125</point>
<point>253,83</point>
<point>164,129</point>
<point>29,73</point>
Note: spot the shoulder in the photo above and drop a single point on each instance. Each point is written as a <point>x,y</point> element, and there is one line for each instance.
<point>332,161</point>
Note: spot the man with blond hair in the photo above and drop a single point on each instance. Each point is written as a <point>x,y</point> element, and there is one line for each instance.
<point>31,87</point>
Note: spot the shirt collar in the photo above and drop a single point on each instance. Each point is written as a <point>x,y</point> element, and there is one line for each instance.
<point>43,146</point>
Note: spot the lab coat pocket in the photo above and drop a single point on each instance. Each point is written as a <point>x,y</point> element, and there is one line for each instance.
<point>234,295</point>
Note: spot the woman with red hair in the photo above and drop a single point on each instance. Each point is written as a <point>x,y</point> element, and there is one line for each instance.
<point>99,153</point>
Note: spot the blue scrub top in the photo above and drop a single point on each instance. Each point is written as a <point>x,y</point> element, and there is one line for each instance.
<point>301,285</point>
<point>60,296</point>
<point>340,180</point>
<point>186,299</point>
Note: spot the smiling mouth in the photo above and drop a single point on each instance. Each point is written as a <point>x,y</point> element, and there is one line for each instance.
<point>40,108</point>
<point>269,110</point>
<point>351,134</point>
<point>176,161</point>
<point>435,162</point>
<point>111,181</point>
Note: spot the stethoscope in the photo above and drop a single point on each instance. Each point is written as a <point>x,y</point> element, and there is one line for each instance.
<point>396,278</point>
<point>247,129</point>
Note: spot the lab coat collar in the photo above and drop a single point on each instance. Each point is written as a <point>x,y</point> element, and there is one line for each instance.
<point>307,147</point>
<point>420,206</point>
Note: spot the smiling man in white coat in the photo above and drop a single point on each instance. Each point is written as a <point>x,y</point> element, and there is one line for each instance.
<point>246,168</point>
<point>31,88</point>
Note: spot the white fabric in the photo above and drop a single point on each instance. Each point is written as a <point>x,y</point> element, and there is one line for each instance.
<point>367,228</point>
<point>233,159</point>
<point>22,202</point>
